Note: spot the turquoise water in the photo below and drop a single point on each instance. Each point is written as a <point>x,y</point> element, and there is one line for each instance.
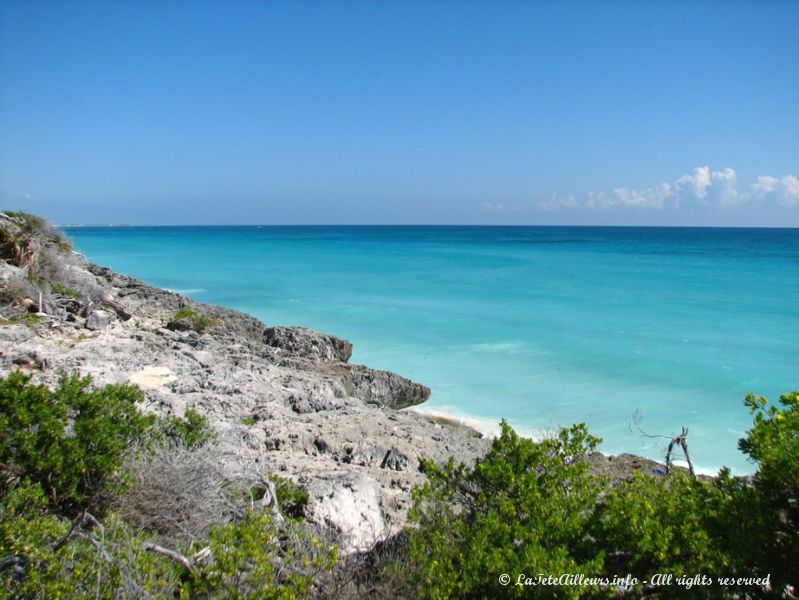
<point>544,326</point>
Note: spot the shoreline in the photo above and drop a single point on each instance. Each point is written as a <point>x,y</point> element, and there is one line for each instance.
<point>282,400</point>
<point>491,429</point>
<point>546,361</point>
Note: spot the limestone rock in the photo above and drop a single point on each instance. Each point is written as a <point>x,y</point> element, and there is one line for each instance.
<point>387,389</point>
<point>9,272</point>
<point>97,320</point>
<point>349,504</point>
<point>15,334</point>
<point>307,343</point>
<point>396,460</point>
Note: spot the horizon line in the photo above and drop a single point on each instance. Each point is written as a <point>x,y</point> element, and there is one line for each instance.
<point>165,225</point>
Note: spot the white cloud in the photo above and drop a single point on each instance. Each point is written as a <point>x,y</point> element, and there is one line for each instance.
<point>790,190</point>
<point>701,186</point>
<point>785,190</point>
<point>724,185</point>
<point>699,181</point>
<point>653,197</point>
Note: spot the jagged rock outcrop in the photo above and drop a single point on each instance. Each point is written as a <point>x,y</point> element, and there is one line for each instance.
<point>282,400</point>
<point>307,343</point>
<point>384,388</point>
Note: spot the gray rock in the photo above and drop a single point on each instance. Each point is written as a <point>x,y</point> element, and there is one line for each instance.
<point>321,445</point>
<point>396,460</point>
<point>9,272</point>
<point>97,320</point>
<point>307,343</point>
<point>356,456</point>
<point>14,334</point>
<point>386,389</point>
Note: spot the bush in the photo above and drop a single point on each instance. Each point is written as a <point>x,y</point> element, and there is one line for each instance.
<point>28,223</point>
<point>22,236</point>
<point>532,507</point>
<point>178,494</point>
<point>770,508</point>
<point>192,431</point>
<point>60,450</point>
<point>256,558</point>
<point>290,497</point>
<point>185,319</point>
<point>59,288</point>
<point>71,440</point>
<point>47,556</point>
<point>664,525</point>
<point>525,508</point>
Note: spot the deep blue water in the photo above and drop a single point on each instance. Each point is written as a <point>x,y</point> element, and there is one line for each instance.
<point>542,325</point>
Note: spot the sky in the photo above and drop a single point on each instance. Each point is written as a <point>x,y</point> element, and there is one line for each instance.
<point>416,112</point>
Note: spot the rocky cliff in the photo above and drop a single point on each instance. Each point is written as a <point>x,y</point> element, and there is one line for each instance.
<point>282,400</point>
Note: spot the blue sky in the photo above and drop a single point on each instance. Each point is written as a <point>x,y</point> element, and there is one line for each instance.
<point>657,113</point>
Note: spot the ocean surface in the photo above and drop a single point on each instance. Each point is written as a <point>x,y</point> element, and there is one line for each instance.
<point>544,326</point>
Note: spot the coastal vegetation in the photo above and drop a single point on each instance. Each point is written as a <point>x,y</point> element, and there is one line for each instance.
<point>100,497</point>
<point>68,460</point>
<point>186,319</point>
<point>38,271</point>
<point>528,509</point>
<point>534,508</point>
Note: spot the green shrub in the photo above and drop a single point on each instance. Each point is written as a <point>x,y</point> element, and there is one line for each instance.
<point>18,246</point>
<point>192,431</point>
<point>50,557</point>
<point>28,319</point>
<point>664,525</point>
<point>256,558</point>
<point>60,450</point>
<point>726,526</point>
<point>290,497</point>
<point>525,508</point>
<point>770,507</point>
<point>28,223</point>
<point>186,319</point>
<point>58,288</point>
<point>46,556</point>
<point>70,440</point>
<point>531,507</point>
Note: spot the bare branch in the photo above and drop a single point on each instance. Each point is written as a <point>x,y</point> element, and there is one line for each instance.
<point>171,554</point>
<point>674,440</point>
<point>679,440</point>
<point>636,423</point>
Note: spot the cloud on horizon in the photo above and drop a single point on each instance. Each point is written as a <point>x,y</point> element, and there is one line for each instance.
<point>702,187</point>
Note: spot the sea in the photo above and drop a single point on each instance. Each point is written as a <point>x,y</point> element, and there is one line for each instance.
<point>630,330</point>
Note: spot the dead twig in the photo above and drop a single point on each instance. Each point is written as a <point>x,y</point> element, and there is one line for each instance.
<point>674,440</point>
<point>171,554</point>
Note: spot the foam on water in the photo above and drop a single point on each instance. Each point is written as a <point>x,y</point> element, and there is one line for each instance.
<point>488,427</point>
<point>543,326</point>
